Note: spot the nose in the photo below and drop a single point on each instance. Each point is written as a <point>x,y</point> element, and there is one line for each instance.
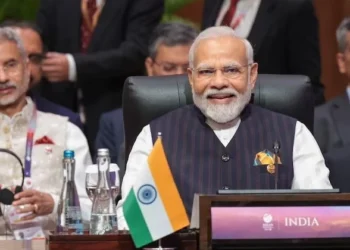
<point>219,81</point>
<point>3,75</point>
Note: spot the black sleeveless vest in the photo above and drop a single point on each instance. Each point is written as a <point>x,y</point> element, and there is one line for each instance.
<point>201,164</point>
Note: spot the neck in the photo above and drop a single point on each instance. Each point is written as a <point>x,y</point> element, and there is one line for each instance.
<point>14,108</point>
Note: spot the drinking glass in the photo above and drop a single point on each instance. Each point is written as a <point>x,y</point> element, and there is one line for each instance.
<point>91,179</point>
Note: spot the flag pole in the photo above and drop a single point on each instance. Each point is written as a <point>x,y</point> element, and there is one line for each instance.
<point>160,244</point>
<point>160,240</point>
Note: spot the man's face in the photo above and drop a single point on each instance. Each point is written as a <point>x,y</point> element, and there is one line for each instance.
<point>168,61</point>
<point>34,49</point>
<point>221,78</point>
<point>343,59</point>
<point>14,74</point>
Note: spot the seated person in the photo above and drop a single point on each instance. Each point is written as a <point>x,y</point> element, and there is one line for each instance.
<point>30,35</point>
<point>168,55</point>
<point>338,162</point>
<point>332,120</point>
<point>216,143</point>
<point>52,135</point>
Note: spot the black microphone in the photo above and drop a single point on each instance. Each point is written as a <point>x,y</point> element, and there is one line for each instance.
<point>276,149</point>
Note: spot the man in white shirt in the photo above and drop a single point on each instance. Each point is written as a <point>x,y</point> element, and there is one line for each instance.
<point>222,141</point>
<point>52,135</point>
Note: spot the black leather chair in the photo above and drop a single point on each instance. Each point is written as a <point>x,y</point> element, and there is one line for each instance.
<point>146,98</point>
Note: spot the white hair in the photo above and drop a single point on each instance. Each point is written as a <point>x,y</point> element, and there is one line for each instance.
<point>216,32</point>
<point>10,35</point>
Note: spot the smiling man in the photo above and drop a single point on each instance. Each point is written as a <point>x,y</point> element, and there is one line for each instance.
<point>43,153</point>
<point>29,33</point>
<point>220,140</point>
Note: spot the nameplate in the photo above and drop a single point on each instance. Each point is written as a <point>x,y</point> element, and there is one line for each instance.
<point>284,222</point>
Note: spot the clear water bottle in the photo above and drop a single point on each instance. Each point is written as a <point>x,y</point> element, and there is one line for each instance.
<point>70,219</point>
<point>103,214</point>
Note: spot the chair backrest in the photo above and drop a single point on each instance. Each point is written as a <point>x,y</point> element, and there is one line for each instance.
<point>146,98</point>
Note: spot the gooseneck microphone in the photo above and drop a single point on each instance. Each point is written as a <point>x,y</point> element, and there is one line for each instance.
<point>6,195</point>
<point>276,149</point>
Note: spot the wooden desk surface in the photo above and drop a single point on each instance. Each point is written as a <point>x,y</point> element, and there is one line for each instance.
<point>18,245</point>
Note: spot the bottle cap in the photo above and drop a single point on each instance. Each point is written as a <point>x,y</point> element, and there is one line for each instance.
<point>103,152</point>
<point>68,154</point>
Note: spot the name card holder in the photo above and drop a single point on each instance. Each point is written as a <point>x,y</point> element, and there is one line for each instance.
<point>267,221</point>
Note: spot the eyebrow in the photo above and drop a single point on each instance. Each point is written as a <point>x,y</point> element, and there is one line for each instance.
<point>230,64</point>
<point>10,60</point>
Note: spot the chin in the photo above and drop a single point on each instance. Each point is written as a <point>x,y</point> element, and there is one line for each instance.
<point>6,101</point>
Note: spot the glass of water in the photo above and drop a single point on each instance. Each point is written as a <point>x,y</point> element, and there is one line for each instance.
<point>91,179</point>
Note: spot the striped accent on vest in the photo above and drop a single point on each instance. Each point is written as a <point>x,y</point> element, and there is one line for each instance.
<point>201,164</point>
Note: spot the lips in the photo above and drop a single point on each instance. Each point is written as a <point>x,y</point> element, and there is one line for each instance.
<point>220,96</point>
<point>6,90</point>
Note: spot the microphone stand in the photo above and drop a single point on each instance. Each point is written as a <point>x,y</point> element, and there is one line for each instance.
<point>276,148</point>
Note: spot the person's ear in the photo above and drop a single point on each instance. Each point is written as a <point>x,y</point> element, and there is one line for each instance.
<point>149,66</point>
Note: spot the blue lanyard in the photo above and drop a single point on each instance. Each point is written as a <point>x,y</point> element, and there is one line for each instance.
<point>29,144</point>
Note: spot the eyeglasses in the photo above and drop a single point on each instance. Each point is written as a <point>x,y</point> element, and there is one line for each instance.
<point>36,58</point>
<point>171,67</point>
<point>230,72</point>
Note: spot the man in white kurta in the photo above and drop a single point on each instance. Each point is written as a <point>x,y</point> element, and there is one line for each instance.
<point>53,134</point>
<point>222,75</point>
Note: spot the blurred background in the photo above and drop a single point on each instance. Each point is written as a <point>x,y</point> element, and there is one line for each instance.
<point>329,13</point>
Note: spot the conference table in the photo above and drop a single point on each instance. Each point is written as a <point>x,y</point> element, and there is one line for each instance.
<point>121,241</point>
<point>9,244</point>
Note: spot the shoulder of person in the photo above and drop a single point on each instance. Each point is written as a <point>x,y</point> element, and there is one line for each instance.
<point>265,111</point>
<point>184,109</point>
<point>324,109</point>
<point>112,115</point>
<point>50,118</point>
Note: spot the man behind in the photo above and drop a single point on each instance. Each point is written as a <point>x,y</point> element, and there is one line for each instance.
<point>215,142</point>
<point>30,36</point>
<point>94,45</point>
<point>52,135</point>
<point>167,55</point>
<point>274,28</point>
<point>332,121</point>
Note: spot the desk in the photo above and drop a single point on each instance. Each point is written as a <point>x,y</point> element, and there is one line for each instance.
<point>181,241</point>
<point>18,245</point>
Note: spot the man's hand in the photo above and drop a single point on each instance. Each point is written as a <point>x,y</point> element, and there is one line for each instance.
<point>33,201</point>
<point>55,67</point>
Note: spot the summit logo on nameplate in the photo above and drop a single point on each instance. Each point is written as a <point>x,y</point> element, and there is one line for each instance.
<point>268,222</point>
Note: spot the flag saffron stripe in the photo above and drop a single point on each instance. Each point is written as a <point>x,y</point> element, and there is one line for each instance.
<point>166,187</point>
<point>136,222</point>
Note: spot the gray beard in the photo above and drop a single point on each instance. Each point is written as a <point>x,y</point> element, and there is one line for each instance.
<point>222,113</point>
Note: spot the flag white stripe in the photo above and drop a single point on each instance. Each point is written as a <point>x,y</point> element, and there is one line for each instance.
<point>154,214</point>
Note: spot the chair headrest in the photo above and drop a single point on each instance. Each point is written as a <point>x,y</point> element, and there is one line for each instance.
<point>146,98</point>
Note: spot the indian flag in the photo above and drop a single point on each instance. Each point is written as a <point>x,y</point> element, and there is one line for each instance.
<point>153,208</point>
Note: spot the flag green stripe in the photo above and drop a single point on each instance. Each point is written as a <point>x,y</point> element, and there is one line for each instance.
<point>135,220</point>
